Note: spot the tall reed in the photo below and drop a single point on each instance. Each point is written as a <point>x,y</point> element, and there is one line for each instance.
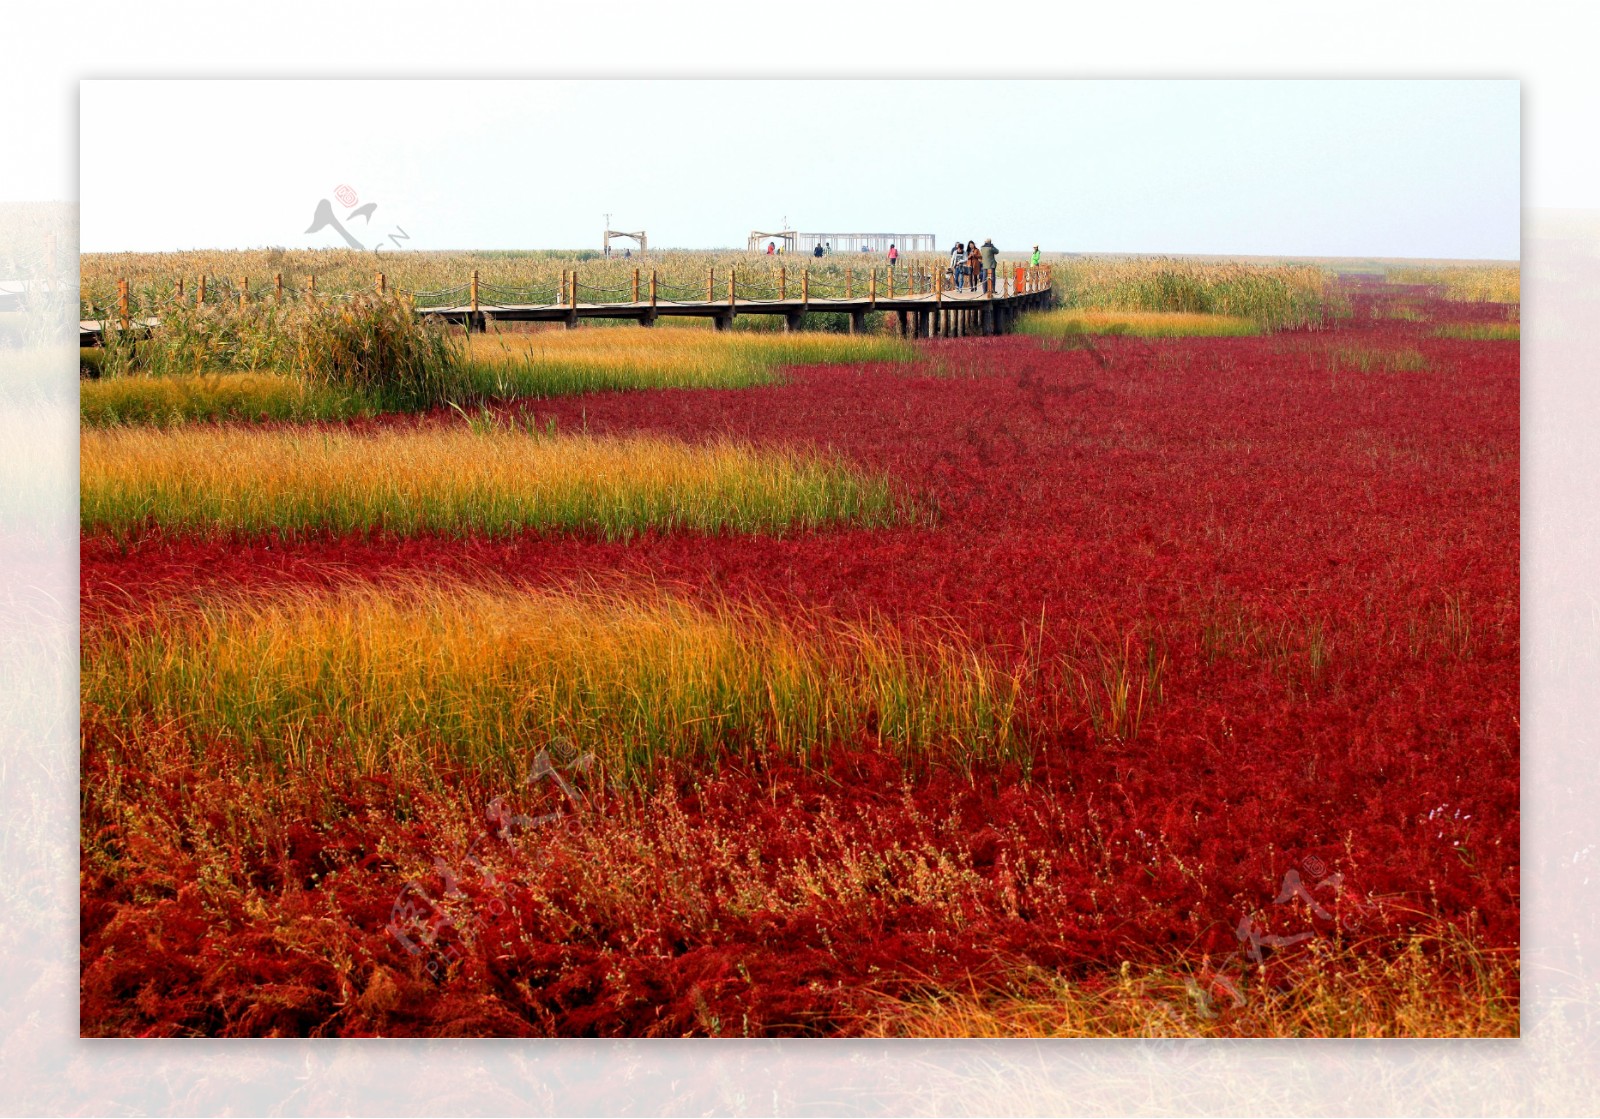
<point>1276,296</point>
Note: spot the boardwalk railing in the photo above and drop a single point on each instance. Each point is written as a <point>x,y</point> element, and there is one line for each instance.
<point>924,298</point>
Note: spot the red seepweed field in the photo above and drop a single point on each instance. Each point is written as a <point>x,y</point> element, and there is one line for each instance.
<point>1255,600</point>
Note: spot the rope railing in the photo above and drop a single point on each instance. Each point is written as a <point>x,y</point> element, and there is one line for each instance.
<point>732,286</point>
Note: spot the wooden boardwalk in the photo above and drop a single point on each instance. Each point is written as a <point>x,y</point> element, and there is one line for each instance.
<point>930,315</point>
<point>928,311</point>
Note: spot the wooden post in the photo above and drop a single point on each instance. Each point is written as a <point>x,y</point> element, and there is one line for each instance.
<point>711,279</point>
<point>652,291</point>
<point>311,287</point>
<point>783,283</point>
<point>178,294</point>
<point>891,293</point>
<point>872,292</point>
<point>572,291</point>
<point>383,284</point>
<point>277,287</point>
<point>636,285</point>
<point>122,304</point>
<point>473,289</point>
<point>847,289</point>
<point>805,285</point>
<point>244,290</point>
<point>938,286</point>
<point>200,292</point>
<point>732,273</point>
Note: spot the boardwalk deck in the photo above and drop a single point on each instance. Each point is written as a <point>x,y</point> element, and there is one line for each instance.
<point>926,314</point>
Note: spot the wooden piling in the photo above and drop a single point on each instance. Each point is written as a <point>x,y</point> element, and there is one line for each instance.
<point>244,290</point>
<point>122,304</point>
<point>277,287</point>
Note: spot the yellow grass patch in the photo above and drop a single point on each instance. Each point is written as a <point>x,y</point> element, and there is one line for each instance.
<point>549,363</point>
<point>224,396</point>
<point>495,481</point>
<point>1467,283</point>
<point>1417,986</point>
<point>395,678</point>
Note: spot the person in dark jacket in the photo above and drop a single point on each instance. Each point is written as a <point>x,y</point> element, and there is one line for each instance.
<point>975,265</point>
<point>818,250</point>
<point>990,255</point>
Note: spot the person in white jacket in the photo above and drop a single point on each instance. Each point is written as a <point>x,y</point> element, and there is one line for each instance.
<point>958,265</point>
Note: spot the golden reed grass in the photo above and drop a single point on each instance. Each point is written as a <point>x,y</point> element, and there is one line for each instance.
<point>396,677</point>
<point>549,363</point>
<point>461,480</point>
<point>1420,985</point>
<point>1466,283</point>
<point>221,396</point>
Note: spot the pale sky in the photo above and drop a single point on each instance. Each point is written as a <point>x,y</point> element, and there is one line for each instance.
<point>1424,168</point>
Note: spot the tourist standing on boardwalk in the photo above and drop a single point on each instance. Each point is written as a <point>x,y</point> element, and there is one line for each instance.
<point>989,254</point>
<point>894,255</point>
<point>818,250</point>
<point>771,245</point>
<point>975,265</point>
<point>1035,261</point>
<point>958,265</point>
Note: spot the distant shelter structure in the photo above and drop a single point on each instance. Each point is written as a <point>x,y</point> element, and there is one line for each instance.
<point>792,241</point>
<point>637,236</point>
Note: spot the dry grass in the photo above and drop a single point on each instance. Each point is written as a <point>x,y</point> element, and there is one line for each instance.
<point>482,479</point>
<point>1421,986</point>
<point>395,678</point>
